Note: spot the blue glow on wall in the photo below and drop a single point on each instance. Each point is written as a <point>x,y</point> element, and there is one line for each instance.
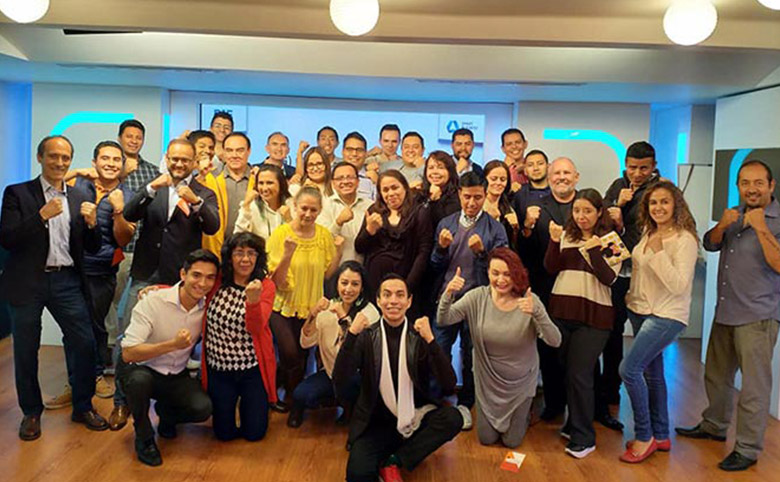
<point>75,118</point>
<point>682,148</point>
<point>166,128</point>
<point>592,136</point>
<point>736,163</point>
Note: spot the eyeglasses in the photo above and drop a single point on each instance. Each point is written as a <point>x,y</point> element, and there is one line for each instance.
<point>250,254</point>
<point>344,178</point>
<point>354,150</point>
<point>316,165</point>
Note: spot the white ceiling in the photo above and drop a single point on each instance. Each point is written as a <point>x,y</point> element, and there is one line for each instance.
<point>444,50</point>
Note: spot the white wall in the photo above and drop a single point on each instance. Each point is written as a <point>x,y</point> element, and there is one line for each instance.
<point>745,121</point>
<point>52,102</point>
<point>185,115</point>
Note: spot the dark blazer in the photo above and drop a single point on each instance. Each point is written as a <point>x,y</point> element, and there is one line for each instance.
<point>363,353</point>
<point>26,236</point>
<point>163,245</point>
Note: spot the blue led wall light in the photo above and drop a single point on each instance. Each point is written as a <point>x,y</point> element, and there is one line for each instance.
<point>76,118</point>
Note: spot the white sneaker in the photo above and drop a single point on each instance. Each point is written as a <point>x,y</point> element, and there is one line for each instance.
<point>579,451</point>
<point>193,364</point>
<point>466,413</point>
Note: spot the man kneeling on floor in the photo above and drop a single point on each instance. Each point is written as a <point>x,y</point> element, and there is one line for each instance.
<point>394,423</point>
<point>164,326</point>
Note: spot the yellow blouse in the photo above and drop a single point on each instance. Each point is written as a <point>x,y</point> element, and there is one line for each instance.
<point>306,274</point>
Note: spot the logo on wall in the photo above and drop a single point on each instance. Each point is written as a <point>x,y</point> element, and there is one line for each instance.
<point>449,123</point>
<point>239,113</point>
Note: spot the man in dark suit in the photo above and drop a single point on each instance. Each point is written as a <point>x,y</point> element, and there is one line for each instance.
<point>46,226</point>
<point>175,211</point>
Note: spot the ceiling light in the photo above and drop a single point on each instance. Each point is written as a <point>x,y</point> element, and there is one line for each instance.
<point>354,17</point>
<point>24,11</point>
<point>773,4</point>
<point>688,22</point>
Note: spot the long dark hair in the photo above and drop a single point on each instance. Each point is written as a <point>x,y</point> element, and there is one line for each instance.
<point>452,183</point>
<point>363,299</point>
<point>380,206</point>
<point>284,188</point>
<point>503,201</point>
<point>604,223</point>
<point>243,240</point>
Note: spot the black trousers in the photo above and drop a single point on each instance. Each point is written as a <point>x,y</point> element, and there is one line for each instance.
<point>552,376</point>
<point>292,358</point>
<point>372,448</point>
<point>100,290</point>
<point>61,293</point>
<point>180,398</point>
<point>608,380</point>
<point>580,349</point>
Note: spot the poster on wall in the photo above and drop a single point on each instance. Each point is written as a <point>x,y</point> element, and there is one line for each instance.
<point>727,162</point>
<point>239,113</point>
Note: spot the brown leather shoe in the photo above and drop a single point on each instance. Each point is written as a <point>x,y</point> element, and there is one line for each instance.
<point>118,418</point>
<point>30,429</point>
<point>91,419</point>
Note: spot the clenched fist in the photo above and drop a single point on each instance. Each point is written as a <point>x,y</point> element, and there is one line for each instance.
<point>183,339</point>
<point>617,216</point>
<point>359,324</point>
<point>321,305</point>
<point>163,180</point>
<point>51,209</point>
<point>531,216</point>
<point>253,291</point>
<point>117,200</point>
<point>186,193</point>
<point>423,327</point>
<point>89,212</point>
<point>445,238</point>
<point>373,223</point>
<point>462,165</point>
<point>625,196</point>
<point>729,217</point>
<point>346,215</point>
<point>511,218</point>
<point>285,213</point>
<point>756,219</point>
<point>290,244</point>
<point>475,244</point>
<point>556,230</point>
<point>434,193</point>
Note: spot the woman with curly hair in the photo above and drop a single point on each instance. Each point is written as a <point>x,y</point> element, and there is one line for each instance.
<point>316,172</point>
<point>505,320</point>
<point>658,304</point>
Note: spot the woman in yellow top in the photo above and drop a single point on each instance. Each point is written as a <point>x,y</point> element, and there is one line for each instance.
<point>301,256</point>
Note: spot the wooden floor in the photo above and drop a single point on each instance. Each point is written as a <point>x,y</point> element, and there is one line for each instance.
<point>315,452</point>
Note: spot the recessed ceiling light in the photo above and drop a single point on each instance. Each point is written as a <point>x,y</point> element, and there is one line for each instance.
<point>773,4</point>
<point>689,22</point>
<point>24,11</point>
<point>354,17</point>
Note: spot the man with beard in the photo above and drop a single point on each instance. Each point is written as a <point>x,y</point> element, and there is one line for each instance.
<point>536,166</point>
<point>462,148</point>
<point>532,246</point>
<point>745,328</point>
<point>175,213</point>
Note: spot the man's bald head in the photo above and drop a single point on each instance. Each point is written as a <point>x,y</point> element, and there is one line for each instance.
<point>563,178</point>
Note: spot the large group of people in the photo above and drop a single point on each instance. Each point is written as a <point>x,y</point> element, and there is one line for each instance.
<point>346,281</point>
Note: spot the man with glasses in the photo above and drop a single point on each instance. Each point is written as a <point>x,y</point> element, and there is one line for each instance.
<point>344,211</point>
<point>354,152</point>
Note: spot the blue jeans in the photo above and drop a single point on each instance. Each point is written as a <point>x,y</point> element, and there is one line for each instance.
<point>642,371</point>
<point>318,387</point>
<point>445,337</point>
<point>225,389</point>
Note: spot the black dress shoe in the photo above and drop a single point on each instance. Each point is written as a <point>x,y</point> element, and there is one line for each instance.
<point>91,419</point>
<point>295,419</point>
<point>736,462</point>
<point>697,432</point>
<point>166,430</point>
<point>148,453</point>
<point>30,429</point>
<point>610,422</point>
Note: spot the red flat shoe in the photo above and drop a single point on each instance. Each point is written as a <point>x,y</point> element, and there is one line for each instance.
<point>662,445</point>
<point>633,458</point>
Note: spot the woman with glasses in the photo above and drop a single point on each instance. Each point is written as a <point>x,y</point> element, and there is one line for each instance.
<point>316,172</point>
<point>301,256</point>
<point>267,206</point>
<point>238,355</point>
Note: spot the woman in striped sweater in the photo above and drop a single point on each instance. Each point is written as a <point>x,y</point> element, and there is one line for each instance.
<point>581,306</point>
